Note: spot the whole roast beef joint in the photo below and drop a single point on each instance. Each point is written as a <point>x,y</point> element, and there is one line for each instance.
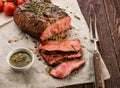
<point>41,20</point>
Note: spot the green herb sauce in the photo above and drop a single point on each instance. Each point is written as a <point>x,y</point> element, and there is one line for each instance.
<point>20,59</point>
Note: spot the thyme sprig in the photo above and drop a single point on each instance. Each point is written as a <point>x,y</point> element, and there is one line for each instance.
<point>46,1</point>
<point>32,6</point>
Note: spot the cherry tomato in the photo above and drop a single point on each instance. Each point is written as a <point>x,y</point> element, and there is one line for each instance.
<point>1,6</point>
<point>10,0</point>
<point>9,8</point>
<point>19,2</point>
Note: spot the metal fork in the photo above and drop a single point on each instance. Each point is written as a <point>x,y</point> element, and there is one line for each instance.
<point>99,80</point>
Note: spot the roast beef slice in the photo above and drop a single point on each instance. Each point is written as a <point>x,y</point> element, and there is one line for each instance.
<point>64,69</point>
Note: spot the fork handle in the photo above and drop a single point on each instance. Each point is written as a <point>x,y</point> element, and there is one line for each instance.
<point>99,81</point>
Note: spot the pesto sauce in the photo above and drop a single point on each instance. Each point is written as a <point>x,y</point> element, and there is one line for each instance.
<point>20,59</point>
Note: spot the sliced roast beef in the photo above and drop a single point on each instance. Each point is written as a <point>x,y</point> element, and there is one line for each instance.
<point>55,58</point>
<point>41,20</point>
<point>64,69</point>
<point>64,45</point>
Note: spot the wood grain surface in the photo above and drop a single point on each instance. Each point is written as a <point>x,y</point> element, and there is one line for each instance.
<point>108,23</point>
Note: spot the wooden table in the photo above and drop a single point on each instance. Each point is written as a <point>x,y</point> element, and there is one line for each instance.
<point>108,15</point>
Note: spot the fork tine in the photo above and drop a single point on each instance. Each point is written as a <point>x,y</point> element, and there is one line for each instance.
<point>96,33</point>
<point>91,31</point>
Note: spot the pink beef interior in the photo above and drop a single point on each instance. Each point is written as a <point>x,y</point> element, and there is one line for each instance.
<point>65,68</point>
<point>57,27</point>
<point>65,45</point>
<point>52,59</point>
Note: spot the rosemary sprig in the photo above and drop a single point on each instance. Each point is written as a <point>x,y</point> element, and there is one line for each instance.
<point>77,17</point>
<point>74,48</point>
<point>32,6</point>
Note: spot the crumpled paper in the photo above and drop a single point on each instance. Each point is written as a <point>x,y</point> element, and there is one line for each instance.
<point>37,76</point>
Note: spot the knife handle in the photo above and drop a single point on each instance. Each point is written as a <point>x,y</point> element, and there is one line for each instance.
<point>99,81</point>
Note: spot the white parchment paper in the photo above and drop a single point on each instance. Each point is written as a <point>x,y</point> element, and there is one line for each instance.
<point>37,77</point>
<point>4,19</point>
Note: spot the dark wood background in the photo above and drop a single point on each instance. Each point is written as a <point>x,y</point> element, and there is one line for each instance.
<point>108,23</point>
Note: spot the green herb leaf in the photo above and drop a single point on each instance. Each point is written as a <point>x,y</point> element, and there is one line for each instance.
<point>77,17</point>
<point>74,48</point>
